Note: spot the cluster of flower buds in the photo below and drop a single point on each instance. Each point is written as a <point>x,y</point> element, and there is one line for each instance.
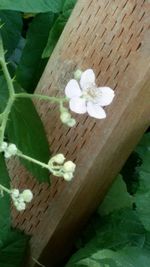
<point>20,199</point>
<point>60,168</point>
<point>8,149</point>
<point>66,118</point>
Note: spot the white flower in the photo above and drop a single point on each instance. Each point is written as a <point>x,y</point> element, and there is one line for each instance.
<point>85,96</point>
<point>27,195</point>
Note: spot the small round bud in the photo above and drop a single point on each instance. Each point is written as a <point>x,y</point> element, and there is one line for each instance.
<point>20,199</point>
<point>15,202</point>
<point>21,206</point>
<point>77,74</point>
<point>59,158</point>
<point>15,193</point>
<point>3,146</point>
<point>68,176</point>
<point>7,155</point>
<point>65,117</point>
<point>27,195</point>
<point>12,149</point>
<point>71,122</point>
<point>69,166</point>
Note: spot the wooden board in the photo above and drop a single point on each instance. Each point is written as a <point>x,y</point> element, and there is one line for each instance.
<point>112,37</point>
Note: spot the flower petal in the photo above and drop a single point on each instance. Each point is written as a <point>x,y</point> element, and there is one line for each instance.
<point>107,95</point>
<point>73,89</point>
<point>78,105</point>
<point>94,110</point>
<point>87,79</point>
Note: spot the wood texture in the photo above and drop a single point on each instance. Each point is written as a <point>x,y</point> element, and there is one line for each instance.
<point>112,37</point>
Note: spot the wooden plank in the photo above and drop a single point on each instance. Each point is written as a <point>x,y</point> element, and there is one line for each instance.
<point>112,37</point>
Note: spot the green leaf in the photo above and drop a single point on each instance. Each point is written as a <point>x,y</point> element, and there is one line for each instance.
<point>14,60</point>
<point>11,30</point>
<point>116,198</point>
<point>5,200</point>
<point>69,5</point>
<point>143,149</point>
<point>13,247</point>
<point>31,64</point>
<point>26,130</point>
<point>58,27</point>
<point>115,232</point>
<point>126,257</point>
<point>142,196</point>
<point>130,174</point>
<point>32,6</point>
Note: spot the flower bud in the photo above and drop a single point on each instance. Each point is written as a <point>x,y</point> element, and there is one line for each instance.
<point>71,122</point>
<point>12,149</point>
<point>21,206</point>
<point>3,146</point>
<point>59,158</point>
<point>65,116</point>
<point>68,176</point>
<point>69,166</point>
<point>27,195</point>
<point>7,155</point>
<point>77,74</point>
<point>15,193</point>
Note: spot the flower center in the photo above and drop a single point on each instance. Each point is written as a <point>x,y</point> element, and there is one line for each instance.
<point>92,93</point>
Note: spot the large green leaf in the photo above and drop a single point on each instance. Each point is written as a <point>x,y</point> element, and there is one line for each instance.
<point>13,247</point>
<point>116,198</point>
<point>25,129</point>
<point>58,27</point>
<point>33,6</point>
<point>130,174</point>
<point>142,196</point>
<point>127,257</point>
<point>4,200</point>
<point>114,231</point>
<point>11,30</point>
<point>31,64</point>
<point>15,58</point>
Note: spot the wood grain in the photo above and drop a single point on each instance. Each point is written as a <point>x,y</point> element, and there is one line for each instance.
<point>112,37</point>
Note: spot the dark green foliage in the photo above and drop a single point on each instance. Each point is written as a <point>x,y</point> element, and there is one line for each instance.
<point>32,6</point>
<point>25,129</point>
<point>11,30</point>
<point>31,64</point>
<point>58,27</point>
<point>122,238</point>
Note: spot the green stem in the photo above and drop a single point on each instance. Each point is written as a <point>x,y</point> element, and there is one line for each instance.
<point>5,118</point>
<point>11,100</point>
<point>7,77</point>
<point>3,188</point>
<point>43,165</point>
<point>52,99</point>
